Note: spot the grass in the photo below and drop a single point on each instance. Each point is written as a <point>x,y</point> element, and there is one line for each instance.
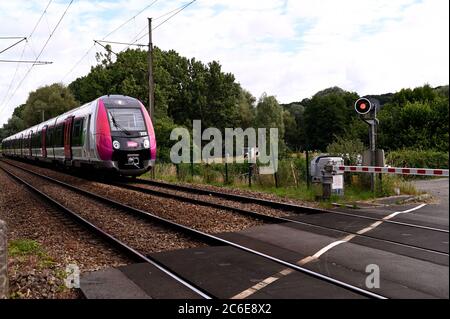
<point>23,248</point>
<point>295,188</point>
<point>27,253</point>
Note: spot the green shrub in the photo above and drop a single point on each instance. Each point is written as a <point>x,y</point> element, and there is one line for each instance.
<point>349,149</point>
<point>417,158</point>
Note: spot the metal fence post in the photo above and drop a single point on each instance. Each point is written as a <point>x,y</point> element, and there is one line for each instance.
<point>250,168</point>
<point>3,262</point>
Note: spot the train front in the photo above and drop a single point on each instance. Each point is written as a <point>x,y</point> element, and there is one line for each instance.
<point>125,136</point>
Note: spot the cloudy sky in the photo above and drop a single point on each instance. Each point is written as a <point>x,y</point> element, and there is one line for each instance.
<point>287,48</point>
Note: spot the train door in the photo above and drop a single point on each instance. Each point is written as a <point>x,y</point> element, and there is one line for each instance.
<point>68,138</point>
<point>87,144</point>
<point>44,141</point>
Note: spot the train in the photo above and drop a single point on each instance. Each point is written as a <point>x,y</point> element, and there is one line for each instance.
<point>113,133</point>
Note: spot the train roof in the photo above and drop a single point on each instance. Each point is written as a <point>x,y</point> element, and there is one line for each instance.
<point>111,99</point>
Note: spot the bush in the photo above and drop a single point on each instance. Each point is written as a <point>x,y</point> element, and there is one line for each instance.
<point>417,158</point>
<point>349,149</point>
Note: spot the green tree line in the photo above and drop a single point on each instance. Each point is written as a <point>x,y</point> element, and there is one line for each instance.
<point>188,89</point>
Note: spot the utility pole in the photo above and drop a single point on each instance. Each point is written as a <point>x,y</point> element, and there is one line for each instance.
<point>151,84</point>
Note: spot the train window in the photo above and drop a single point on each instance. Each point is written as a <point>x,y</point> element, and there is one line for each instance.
<point>61,136</point>
<point>77,132</point>
<point>49,137</point>
<point>126,119</point>
<point>33,140</point>
<point>58,139</point>
<point>36,140</point>
<point>39,139</point>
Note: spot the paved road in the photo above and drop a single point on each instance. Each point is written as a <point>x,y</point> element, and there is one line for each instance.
<point>439,209</point>
<point>436,187</point>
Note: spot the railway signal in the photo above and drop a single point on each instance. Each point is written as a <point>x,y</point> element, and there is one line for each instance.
<point>363,106</point>
<point>367,110</point>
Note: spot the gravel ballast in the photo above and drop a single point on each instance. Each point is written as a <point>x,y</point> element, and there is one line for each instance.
<point>140,234</point>
<point>202,218</point>
<point>61,243</point>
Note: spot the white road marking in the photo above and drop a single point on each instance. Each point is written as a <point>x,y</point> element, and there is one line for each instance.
<point>264,283</point>
<point>326,248</point>
<point>403,212</point>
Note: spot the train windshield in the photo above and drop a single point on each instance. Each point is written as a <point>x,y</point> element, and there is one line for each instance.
<point>126,119</point>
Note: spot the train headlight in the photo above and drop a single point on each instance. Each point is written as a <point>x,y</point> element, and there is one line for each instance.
<point>116,145</point>
<point>146,144</point>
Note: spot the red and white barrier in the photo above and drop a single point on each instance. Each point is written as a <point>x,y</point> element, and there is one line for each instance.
<point>393,170</point>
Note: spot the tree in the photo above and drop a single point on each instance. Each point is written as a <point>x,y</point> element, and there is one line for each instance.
<point>53,100</point>
<point>415,119</point>
<point>246,109</point>
<point>291,136</point>
<point>269,114</point>
<point>294,131</point>
<point>349,149</point>
<point>327,115</point>
<point>14,125</point>
<point>184,89</point>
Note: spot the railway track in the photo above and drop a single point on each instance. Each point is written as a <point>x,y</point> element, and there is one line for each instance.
<point>149,217</point>
<point>271,218</point>
<point>140,185</point>
<point>287,207</point>
<point>131,252</point>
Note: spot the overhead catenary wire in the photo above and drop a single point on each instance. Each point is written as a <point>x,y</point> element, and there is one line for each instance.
<point>174,12</point>
<point>23,52</point>
<point>139,34</point>
<point>25,61</point>
<point>181,9</point>
<point>10,38</point>
<point>40,18</point>
<point>43,48</point>
<point>177,11</point>
<point>110,33</point>
<point>130,19</point>
<point>13,45</point>
<point>115,42</point>
<point>13,78</point>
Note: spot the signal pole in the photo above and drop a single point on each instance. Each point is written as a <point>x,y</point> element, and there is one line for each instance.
<point>151,84</point>
<point>367,109</point>
<point>373,148</point>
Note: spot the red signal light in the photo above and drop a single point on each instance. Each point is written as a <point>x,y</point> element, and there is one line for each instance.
<point>363,106</point>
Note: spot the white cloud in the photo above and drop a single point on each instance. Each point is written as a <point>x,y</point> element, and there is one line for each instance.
<point>287,48</point>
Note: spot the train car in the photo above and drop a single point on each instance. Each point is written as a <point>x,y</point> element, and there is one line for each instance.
<point>113,133</point>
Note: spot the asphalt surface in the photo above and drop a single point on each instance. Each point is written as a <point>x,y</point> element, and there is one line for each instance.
<point>408,244</point>
<point>438,210</point>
